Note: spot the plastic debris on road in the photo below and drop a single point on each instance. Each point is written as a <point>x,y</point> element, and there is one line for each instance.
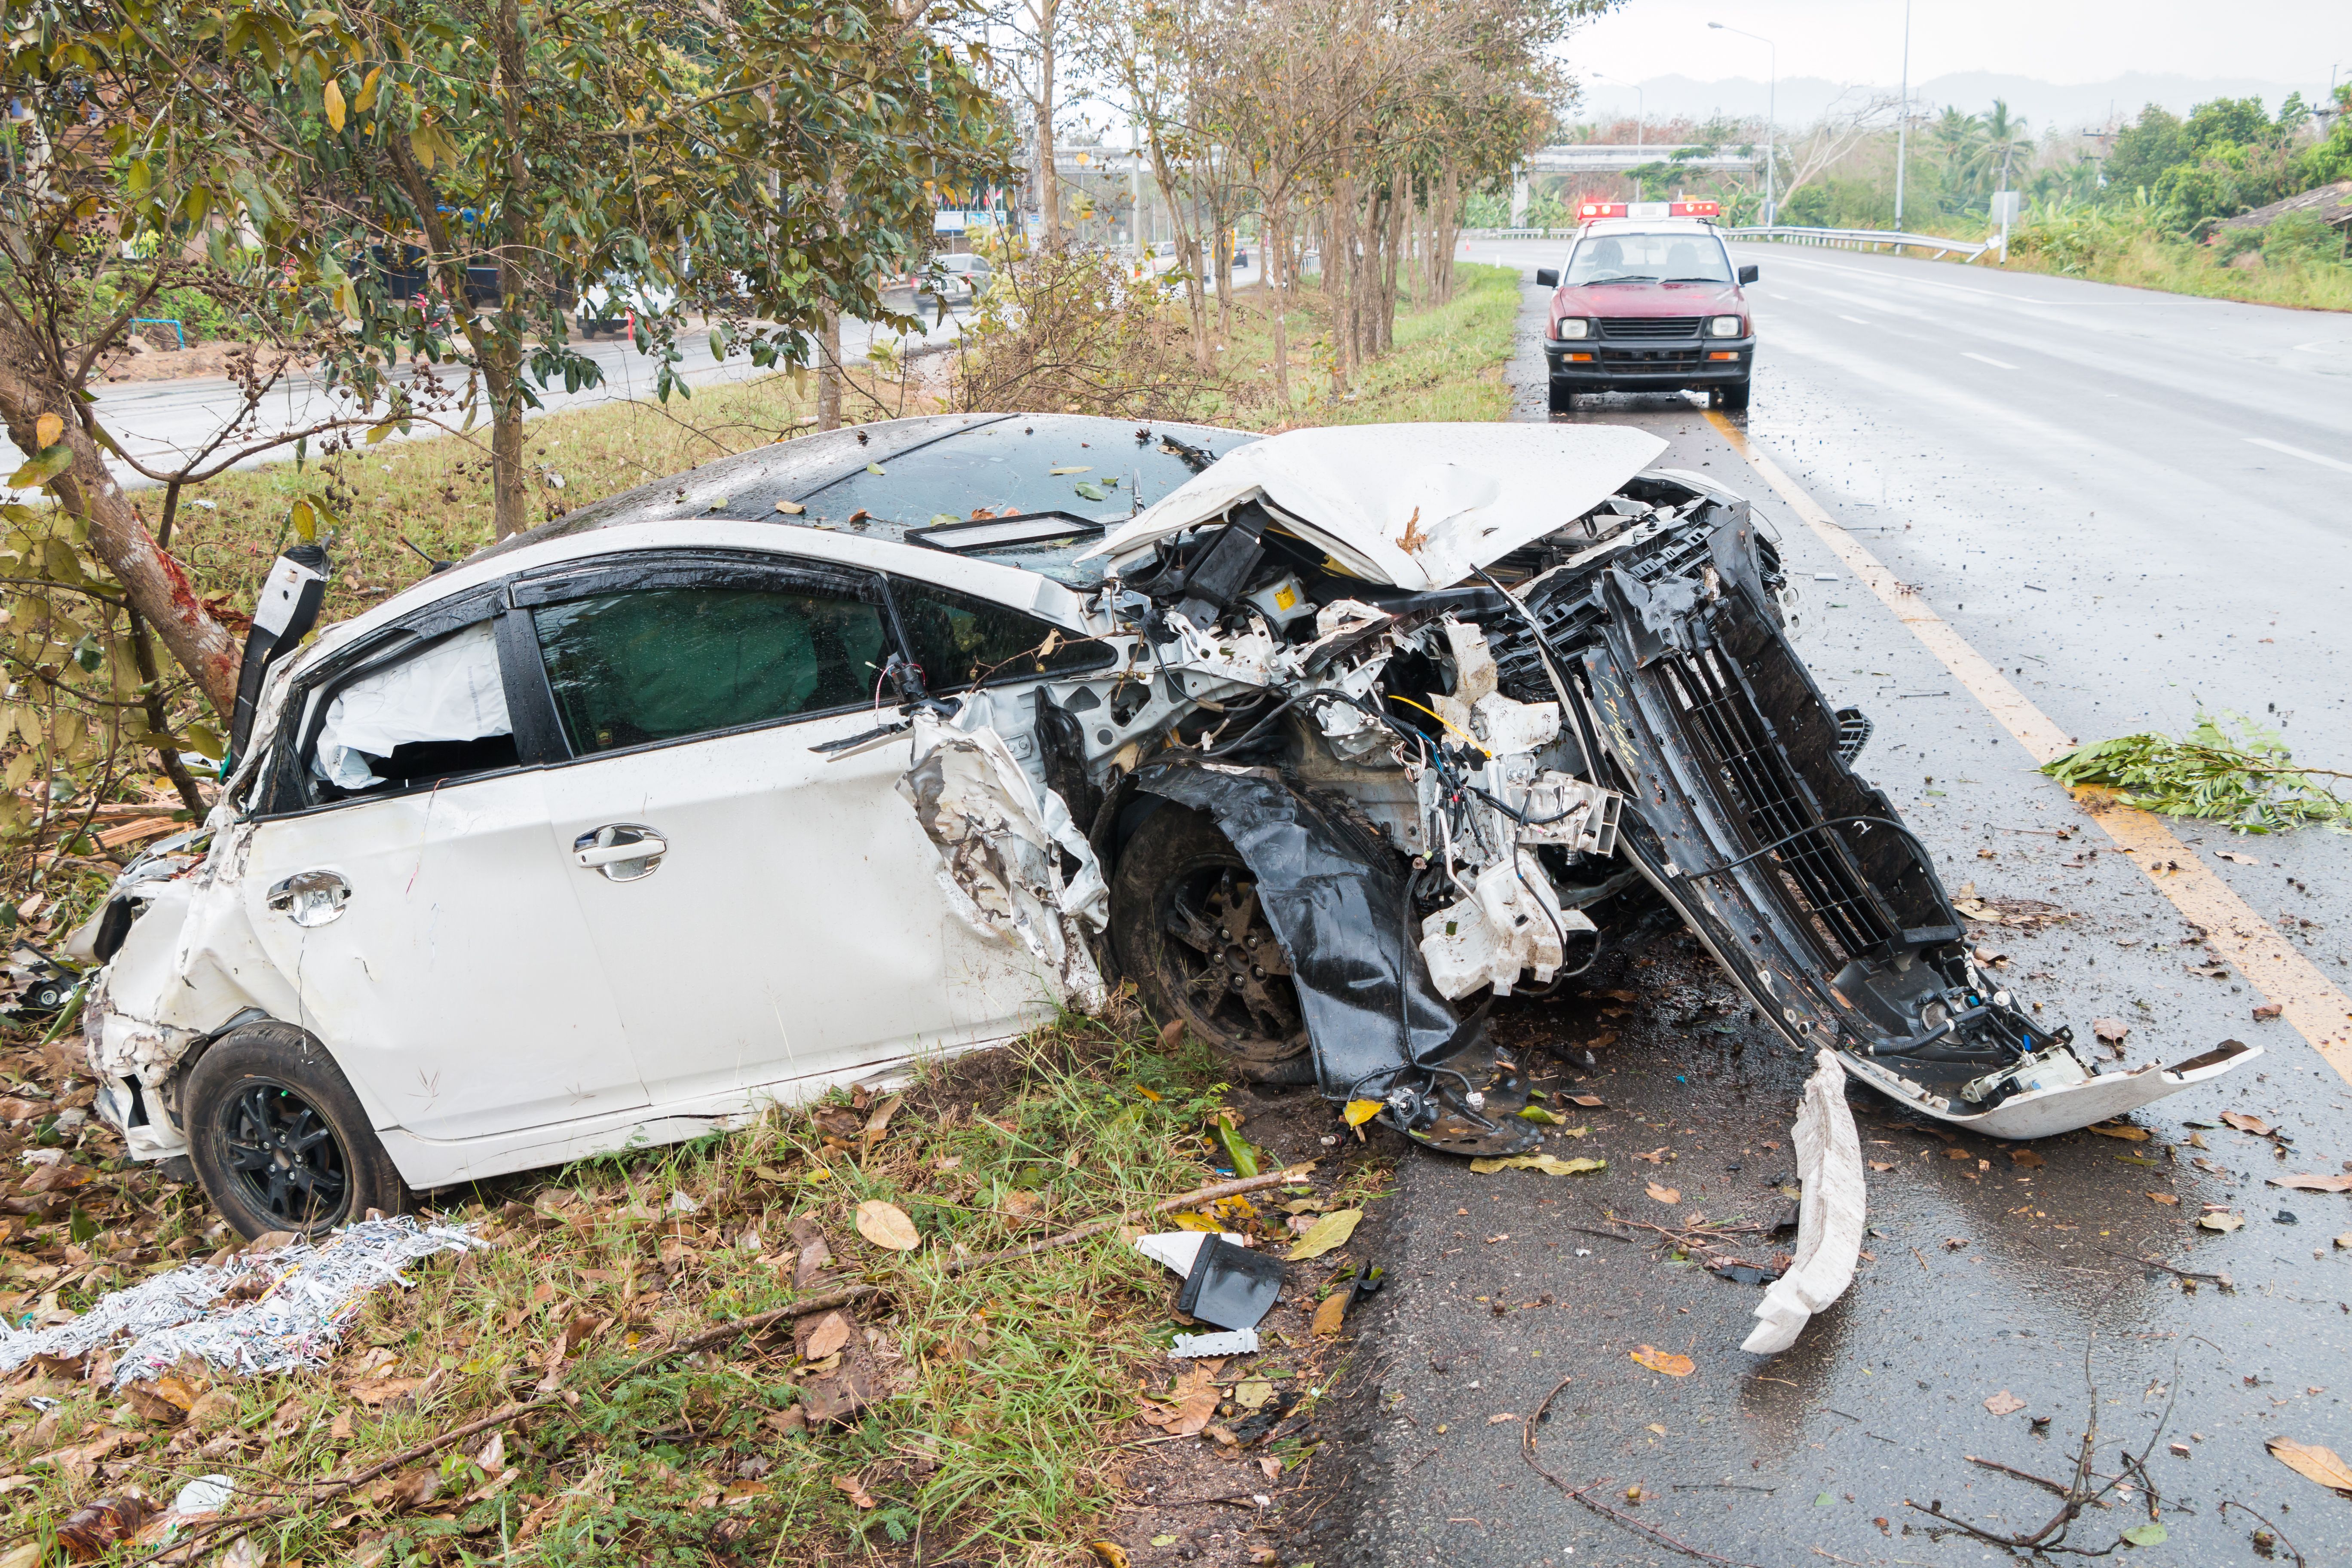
<point>307,1295</point>
<point>1233,1342</point>
<point>1829,1216</point>
<point>1177,1249</point>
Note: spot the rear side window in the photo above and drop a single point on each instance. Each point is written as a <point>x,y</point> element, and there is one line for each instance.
<point>640,665</point>
<point>959,640</point>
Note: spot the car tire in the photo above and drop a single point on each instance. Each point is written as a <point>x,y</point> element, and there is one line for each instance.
<point>277,1138</point>
<point>1732,396</point>
<point>1563,397</point>
<point>1176,879</point>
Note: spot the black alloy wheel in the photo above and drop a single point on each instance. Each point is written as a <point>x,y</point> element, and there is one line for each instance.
<point>285,1155</point>
<point>1188,928</point>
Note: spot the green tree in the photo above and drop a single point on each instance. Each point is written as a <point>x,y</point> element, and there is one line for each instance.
<point>2147,148</point>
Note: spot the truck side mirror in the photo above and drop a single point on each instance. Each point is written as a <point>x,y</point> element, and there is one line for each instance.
<point>1546,277</point>
<point>1747,275</point>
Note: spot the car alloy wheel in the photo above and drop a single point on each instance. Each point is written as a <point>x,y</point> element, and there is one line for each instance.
<point>285,1159</point>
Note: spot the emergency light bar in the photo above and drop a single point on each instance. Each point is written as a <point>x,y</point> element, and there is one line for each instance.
<point>1588,211</point>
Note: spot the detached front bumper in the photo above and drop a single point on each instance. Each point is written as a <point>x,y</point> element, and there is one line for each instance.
<point>1599,363</point>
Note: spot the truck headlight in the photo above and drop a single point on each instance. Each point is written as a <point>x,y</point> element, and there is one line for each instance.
<point>1572,327</point>
<point>1723,327</point>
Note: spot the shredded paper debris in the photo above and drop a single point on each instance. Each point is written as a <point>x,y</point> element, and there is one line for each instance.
<point>307,1296</point>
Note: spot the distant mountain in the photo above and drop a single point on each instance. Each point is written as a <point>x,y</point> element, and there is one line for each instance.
<point>2065,106</point>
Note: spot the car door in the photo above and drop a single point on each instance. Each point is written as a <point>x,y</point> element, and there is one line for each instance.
<point>784,919</point>
<point>401,879</point>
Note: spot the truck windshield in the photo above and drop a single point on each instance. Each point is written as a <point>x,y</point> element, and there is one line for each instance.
<point>1683,257</point>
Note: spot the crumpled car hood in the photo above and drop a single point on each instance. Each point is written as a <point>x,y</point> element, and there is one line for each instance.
<point>1416,506</point>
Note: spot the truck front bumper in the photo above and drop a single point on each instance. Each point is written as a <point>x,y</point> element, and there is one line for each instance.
<point>1599,364</point>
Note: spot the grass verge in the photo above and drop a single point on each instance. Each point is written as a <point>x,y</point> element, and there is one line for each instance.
<point>1009,1390</point>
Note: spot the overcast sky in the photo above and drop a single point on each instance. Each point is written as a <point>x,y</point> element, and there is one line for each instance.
<point>2056,40</point>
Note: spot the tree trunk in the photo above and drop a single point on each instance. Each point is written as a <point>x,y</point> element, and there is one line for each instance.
<point>1274,248</point>
<point>1049,180</point>
<point>152,583</point>
<point>828,370</point>
<point>1188,252</point>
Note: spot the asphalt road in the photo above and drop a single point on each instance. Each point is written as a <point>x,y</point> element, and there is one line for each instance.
<point>2068,475</point>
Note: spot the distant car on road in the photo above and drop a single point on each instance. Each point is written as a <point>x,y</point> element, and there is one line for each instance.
<point>1649,302</point>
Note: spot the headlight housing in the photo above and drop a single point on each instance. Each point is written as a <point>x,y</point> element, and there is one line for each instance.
<point>1572,327</point>
<point>1723,327</point>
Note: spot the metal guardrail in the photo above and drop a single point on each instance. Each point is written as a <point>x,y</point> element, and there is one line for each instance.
<point>1865,238</point>
<point>1515,233</point>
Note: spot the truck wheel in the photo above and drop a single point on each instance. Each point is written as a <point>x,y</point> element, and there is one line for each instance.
<point>1186,927</point>
<point>277,1138</point>
<point>1563,397</point>
<point>1732,396</point>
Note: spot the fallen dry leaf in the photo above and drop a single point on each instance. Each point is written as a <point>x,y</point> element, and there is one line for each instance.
<point>1549,1165</point>
<point>2240,859</point>
<point>1328,1233</point>
<point>1664,1195</point>
<point>2165,1198</point>
<point>1500,1416</point>
<point>167,1399</point>
<point>2267,1010</point>
<point>2245,1123</point>
<point>2221,1222</point>
<point>1656,1156</point>
<point>887,1225</point>
<point>1112,1552</point>
<point>1665,1361</point>
<point>2110,1031</point>
<point>1329,1314</point>
<point>2027,1158</point>
<point>1881,1164</point>
<point>2312,1462</point>
<point>828,1336</point>
<point>2129,1134</point>
<point>373,1391</point>
<point>854,1488</point>
<point>2314,1184</point>
<point>2004,1404</point>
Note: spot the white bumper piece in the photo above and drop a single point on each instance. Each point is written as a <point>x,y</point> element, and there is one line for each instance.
<point>2061,1095</point>
<point>1829,1216</point>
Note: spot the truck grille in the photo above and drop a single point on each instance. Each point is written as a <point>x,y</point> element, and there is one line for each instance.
<point>1650,326</point>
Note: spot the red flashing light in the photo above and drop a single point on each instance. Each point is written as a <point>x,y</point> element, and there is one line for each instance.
<point>1694,209</point>
<point>1591,210</point>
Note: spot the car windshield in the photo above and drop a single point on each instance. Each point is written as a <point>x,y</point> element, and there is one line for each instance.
<point>1683,257</point>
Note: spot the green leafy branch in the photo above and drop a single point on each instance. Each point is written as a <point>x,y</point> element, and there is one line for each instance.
<point>2248,780</point>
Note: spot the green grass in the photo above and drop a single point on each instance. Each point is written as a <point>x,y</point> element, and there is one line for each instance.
<point>2174,267</point>
<point>1010,1381</point>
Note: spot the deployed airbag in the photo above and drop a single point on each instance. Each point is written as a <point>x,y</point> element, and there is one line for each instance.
<point>451,691</point>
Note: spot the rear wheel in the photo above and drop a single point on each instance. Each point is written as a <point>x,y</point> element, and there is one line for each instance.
<point>278,1140</point>
<point>1563,397</point>
<point>1732,396</point>
<point>1187,927</point>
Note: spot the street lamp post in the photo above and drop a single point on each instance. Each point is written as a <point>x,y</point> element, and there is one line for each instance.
<point>1903,118</point>
<point>1771,121</point>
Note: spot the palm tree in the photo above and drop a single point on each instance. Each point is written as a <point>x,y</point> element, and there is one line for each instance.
<point>1957,137</point>
<point>2006,141</point>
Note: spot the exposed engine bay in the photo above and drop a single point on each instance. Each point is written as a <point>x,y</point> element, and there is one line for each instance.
<point>1357,778</point>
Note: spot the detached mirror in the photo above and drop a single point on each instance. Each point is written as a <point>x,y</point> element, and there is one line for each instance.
<point>1747,275</point>
<point>1546,277</point>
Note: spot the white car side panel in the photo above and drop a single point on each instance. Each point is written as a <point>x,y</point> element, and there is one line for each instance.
<point>457,989</point>
<point>798,925</point>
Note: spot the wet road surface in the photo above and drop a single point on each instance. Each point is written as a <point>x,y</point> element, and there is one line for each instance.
<point>2007,1273</point>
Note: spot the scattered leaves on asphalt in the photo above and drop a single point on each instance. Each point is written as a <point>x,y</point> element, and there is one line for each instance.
<point>2129,1134</point>
<point>2004,1404</point>
<point>1549,1165</point>
<point>2312,1462</point>
<point>2221,1222</point>
<point>1673,1365</point>
<point>2307,1184</point>
<point>2245,1123</point>
<point>1664,1195</point>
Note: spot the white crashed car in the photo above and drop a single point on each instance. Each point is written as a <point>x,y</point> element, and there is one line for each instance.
<point>769,776</point>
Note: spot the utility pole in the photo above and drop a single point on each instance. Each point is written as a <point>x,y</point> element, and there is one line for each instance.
<point>1903,118</point>
<point>1771,121</point>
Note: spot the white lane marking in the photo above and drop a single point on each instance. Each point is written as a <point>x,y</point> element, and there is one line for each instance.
<point>1857,320</point>
<point>1988,358</point>
<point>2299,452</point>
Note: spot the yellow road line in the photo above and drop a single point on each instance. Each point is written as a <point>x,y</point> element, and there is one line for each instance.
<point>2305,998</point>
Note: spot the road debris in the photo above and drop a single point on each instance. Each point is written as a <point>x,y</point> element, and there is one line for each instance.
<point>1229,1286</point>
<point>2312,1462</point>
<point>1829,1213</point>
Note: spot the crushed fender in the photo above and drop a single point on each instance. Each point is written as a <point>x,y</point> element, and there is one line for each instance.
<point>1829,1216</point>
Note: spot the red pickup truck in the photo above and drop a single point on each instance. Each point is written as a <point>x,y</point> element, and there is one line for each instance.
<point>1649,302</point>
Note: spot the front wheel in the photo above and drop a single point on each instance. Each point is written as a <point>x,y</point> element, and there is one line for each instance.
<point>1732,396</point>
<point>1187,926</point>
<point>277,1138</point>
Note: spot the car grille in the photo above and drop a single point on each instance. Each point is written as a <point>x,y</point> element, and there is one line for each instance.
<point>1650,326</point>
<point>1637,358</point>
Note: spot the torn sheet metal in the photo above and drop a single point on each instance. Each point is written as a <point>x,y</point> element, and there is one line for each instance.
<point>1338,904</point>
<point>1003,841</point>
<point>1420,505</point>
<point>1829,1216</point>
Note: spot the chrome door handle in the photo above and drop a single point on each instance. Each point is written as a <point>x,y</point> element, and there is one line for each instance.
<point>623,851</point>
<point>310,898</point>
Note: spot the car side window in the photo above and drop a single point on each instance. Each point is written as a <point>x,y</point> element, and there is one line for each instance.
<point>437,713</point>
<point>644,664</point>
<point>959,640</point>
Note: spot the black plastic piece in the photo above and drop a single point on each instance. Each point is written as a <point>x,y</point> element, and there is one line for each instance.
<point>1230,1285</point>
<point>264,648</point>
<point>1217,579</point>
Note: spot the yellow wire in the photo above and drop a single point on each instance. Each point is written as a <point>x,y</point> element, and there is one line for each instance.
<point>1447,722</point>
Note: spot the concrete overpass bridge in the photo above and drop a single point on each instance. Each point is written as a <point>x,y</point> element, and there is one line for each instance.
<point>1617,158</point>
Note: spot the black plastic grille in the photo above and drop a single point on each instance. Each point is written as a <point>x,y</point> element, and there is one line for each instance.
<point>1650,326</point>
<point>1639,357</point>
<point>1755,778</point>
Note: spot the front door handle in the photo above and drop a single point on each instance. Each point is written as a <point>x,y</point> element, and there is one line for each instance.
<point>310,898</point>
<point>623,851</point>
